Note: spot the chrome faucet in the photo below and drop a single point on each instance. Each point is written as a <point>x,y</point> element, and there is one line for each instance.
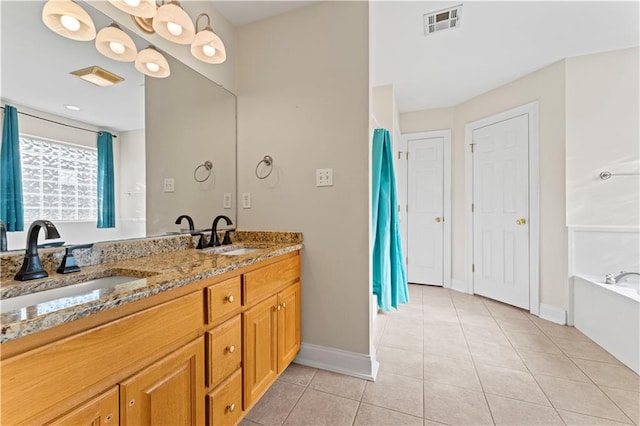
<point>31,267</point>
<point>614,279</point>
<point>184,216</point>
<point>213,242</point>
<point>3,237</point>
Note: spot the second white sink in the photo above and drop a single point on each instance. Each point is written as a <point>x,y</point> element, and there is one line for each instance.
<point>239,251</point>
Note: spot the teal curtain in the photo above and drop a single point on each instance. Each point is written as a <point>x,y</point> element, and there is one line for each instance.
<point>11,207</point>
<point>389,278</point>
<point>106,188</point>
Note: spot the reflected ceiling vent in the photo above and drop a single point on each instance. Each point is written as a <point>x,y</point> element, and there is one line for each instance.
<point>98,76</point>
<point>441,20</point>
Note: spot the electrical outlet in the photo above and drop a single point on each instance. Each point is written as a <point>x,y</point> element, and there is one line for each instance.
<point>324,177</point>
<point>226,203</point>
<point>169,185</point>
<point>246,200</point>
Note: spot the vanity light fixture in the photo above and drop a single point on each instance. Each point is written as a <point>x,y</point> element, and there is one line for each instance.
<point>68,19</point>
<point>141,8</point>
<point>207,46</point>
<point>98,76</point>
<point>114,43</point>
<point>151,62</point>
<point>173,23</point>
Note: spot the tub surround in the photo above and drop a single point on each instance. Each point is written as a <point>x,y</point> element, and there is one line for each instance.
<point>162,264</point>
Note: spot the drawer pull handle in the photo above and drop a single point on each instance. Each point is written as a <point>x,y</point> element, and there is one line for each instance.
<point>284,305</point>
<point>231,408</point>
<point>231,349</point>
<point>278,307</point>
<point>229,298</point>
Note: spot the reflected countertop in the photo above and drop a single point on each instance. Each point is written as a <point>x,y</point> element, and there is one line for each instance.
<point>155,274</point>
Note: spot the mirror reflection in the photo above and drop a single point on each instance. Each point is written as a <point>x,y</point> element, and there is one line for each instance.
<point>188,120</point>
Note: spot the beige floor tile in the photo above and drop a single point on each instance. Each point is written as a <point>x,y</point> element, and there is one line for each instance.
<point>472,318</point>
<point>404,325</point>
<point>319,408</point>
<point>583,398</point>
<point>557,365</point>
<point>556,330</point>
<point>443,331</point>
<point>532,342</point>
<point>246,422</point>
<point>439,314</point>
<point>428,422</point>
<point>496,355</point>
<point>611,375</point>
<point>370,415</point>
<point>502,311</point>
<point>455,406</point>
<point>479,334</point>
<point>628,401</point>
<point>338,384</point>
<point>410,340</point>
<point>275,405</point>
<point>476,308</point>
<point>400,362</point>
<point>576,419</point>
<point>513,384</point>
<point>398,393</point>
<point>508,411</point>
<point>452,347</point>
<point>298,374</point>
<point>583,349</point>
<point>520,325</point>
<point>456,372</point>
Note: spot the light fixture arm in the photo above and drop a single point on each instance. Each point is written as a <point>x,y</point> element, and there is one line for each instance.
<point>208,26</point>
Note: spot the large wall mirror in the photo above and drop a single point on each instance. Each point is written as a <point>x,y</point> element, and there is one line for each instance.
<point>167,128</point>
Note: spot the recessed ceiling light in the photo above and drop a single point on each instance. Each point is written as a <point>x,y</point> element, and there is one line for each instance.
<point>72,107</point>
<point>98,76</point>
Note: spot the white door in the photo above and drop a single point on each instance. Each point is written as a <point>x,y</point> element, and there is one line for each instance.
<point>425,217</point>
<point>501,211</point>
<point>401,183</point>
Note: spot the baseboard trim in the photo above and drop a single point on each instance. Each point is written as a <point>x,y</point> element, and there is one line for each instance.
<point>553,314</point>
<point>339,361</point>
<point>459,285</point>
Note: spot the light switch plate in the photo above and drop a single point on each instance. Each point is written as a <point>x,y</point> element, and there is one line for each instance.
<point>169,185</point>
<point>226,203</point>
<point>246,200</point>
<point>324,177</point>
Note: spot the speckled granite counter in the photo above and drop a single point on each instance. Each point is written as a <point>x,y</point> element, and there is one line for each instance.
<point>157,265</point>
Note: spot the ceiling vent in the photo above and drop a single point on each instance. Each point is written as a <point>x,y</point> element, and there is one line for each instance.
<point>442,20</point>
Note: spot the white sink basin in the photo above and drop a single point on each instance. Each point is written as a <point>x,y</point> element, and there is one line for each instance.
<point>71,295</point>
<point>239,251</point>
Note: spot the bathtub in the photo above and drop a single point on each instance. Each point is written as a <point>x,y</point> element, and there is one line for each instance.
<point>609,314</point>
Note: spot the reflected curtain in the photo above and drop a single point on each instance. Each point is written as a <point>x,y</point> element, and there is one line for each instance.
<point>389,278</point>
<point>106,187</point>
<point>11,202</point>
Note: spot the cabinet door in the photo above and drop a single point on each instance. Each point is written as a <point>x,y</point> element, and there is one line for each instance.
<point>169,392</point>
<point>260,362</point>
<point>289,302</point>
<point>101,410</point>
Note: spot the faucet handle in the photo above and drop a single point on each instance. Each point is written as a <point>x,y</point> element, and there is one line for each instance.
<point>227,240</point>
<point>610,279</point>
<point>69,263</point>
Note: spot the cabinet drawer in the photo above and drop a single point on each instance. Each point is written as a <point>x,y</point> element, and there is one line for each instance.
<point>224,350</point>
<point>101,410</point>
<point>225,402</point>
<point>223,299</point>
<point>265,281</point>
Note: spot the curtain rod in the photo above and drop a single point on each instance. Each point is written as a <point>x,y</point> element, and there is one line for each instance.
<point>61,124</point>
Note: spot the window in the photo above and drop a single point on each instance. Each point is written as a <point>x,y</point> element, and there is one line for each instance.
<point>59,180</point>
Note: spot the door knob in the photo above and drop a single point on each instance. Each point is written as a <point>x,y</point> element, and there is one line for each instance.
<point>438,219</point>
<point>229,298</point>
<point>521,221</point>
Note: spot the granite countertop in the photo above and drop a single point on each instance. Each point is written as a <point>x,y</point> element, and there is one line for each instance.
<point>152,275</point>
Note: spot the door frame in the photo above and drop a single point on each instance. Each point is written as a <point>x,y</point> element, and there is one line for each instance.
<point>532,110</point>
<point>446,207</point>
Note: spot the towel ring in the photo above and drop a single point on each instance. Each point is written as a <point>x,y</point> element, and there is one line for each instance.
<point>269,163</point>
<point>208,165</point>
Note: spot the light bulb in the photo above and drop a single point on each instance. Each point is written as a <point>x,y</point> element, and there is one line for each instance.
<point>70,23</point>
<point>132,3</point>
<point>117,48</point>
<point>209,51</point>
<point>174,29</point>
<point>152,66</point>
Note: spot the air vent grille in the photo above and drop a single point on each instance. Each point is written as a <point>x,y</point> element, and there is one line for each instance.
<point>442,20</point>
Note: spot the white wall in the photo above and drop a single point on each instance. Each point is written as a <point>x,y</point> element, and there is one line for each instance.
<point>546,86</point>
<point>603,134</point>
<point>303,98</point>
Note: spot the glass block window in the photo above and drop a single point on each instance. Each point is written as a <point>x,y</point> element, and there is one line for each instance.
<point>59,180</point>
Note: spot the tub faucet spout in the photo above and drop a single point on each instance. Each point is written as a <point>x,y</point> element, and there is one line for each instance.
<point>614,279</point>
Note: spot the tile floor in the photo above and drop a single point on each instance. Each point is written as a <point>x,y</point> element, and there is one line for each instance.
<point>456,359</point>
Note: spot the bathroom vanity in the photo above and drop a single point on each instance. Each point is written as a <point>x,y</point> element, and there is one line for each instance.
<point>196,338</point>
